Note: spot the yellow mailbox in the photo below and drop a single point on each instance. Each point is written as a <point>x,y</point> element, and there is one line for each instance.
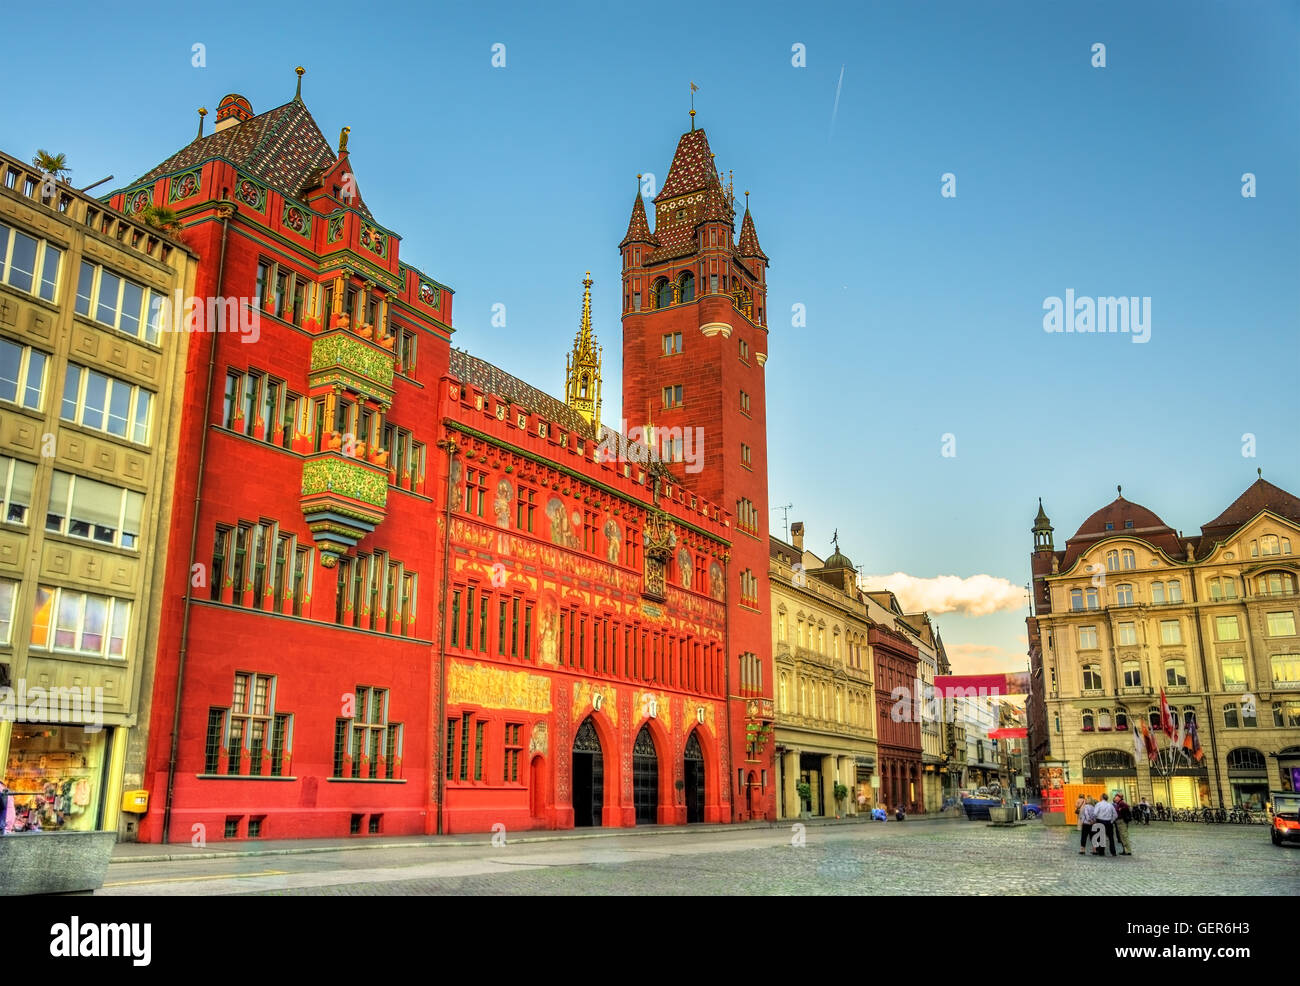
<point>136,802</point>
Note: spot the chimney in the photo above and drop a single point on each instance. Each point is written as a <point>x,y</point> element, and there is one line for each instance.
<point>796,535</point>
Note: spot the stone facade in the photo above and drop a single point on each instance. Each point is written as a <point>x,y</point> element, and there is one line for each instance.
<point>1131,609</point>
<point>825,709</point>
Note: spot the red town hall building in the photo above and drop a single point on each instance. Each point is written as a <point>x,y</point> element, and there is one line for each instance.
<point>409,593</point>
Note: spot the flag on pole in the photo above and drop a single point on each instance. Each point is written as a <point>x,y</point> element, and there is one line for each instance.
<point>1192,742</point>
<point>1149,742</point>
<point>1138,751</point>
<point>1166,719</point>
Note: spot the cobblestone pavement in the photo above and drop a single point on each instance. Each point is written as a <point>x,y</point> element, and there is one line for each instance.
<point>967,858</point>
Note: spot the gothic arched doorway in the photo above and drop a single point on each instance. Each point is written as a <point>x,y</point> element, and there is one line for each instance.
<point>693,773</point>
<point>588,777</point>
<point>645,777</point>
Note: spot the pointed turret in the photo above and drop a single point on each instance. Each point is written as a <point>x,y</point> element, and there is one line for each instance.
<point>748,246</point>
<point>638,227</point>
<point>1042,530</point>
<point>582,366</point>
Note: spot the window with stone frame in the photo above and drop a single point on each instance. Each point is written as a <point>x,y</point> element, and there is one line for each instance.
<point>250,737</point>
<point>367,746</point>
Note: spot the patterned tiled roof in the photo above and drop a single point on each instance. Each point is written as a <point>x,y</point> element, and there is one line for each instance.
<point>691,169</point>
<point>748,245</point>
<point>638,228</point>
<point>282,147</point>
<point>676,241</point>
<point>494,380</point>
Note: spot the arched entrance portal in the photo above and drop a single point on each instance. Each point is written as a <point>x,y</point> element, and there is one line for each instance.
<point>645,777</point>
<point>588,777</point>
<point>693,772</point>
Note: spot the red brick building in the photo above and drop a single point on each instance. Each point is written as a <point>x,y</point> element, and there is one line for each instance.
<point>898,737</point>
<point>407,592</point>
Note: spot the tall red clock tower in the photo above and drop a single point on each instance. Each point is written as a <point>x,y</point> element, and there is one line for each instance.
<point>694,345</point>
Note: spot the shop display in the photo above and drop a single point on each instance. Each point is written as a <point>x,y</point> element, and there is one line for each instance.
<point>53,775</point>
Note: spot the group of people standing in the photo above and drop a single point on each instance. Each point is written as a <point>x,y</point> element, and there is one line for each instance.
<point>1113,817</point>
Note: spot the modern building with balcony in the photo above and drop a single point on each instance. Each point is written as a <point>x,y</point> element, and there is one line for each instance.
<point>91,374</point>
<point>1130,609</point>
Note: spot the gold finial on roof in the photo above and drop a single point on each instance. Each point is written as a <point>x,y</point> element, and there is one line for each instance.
<point>694,88</point>
<point>298,93</point>
<point>343,139</point>
<point>203,111</point>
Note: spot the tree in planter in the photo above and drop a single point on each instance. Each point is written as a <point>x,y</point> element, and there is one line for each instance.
<point>841,794</point>
<point>55,164</point>
<point>161,218</point>
<point>804,790</point>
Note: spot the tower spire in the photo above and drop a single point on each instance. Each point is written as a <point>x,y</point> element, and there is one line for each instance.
<point>582,366</point>
<point>584,327</point>
<point>298,92</point>
<point>694,87</point>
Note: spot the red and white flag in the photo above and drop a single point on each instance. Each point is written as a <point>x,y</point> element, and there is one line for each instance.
<point>1166,719</point>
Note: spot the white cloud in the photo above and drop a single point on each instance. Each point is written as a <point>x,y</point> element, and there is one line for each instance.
<point>975,595</point>
<point>983,659</point>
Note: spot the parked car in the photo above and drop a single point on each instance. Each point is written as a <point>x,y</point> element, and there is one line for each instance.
<point>977,808</point>
<point>1033,811</point>
<point>1285,823</point>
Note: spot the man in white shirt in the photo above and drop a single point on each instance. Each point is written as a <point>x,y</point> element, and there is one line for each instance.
<point>1105,814</point>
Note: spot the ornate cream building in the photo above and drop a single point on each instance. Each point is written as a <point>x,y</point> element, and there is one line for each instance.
<point>1131,607</point>
<point>825,708</point>
<point>90,383</point>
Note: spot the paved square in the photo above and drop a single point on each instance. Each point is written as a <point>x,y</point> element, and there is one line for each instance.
<point>915,858</point>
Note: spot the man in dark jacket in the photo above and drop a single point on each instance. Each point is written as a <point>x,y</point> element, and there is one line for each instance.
<point>1123,815</point>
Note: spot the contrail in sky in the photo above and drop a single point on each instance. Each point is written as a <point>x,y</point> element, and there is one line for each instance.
<point>836,108</point>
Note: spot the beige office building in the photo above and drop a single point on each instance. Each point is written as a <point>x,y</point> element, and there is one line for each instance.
<point>1131,607</point>
<point>90,395</point>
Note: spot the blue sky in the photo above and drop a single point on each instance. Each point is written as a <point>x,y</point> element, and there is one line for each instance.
<point>924,313</point>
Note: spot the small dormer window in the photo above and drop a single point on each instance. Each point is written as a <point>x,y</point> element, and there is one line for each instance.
<point>1110,526</point>
<point>1128,524</point>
